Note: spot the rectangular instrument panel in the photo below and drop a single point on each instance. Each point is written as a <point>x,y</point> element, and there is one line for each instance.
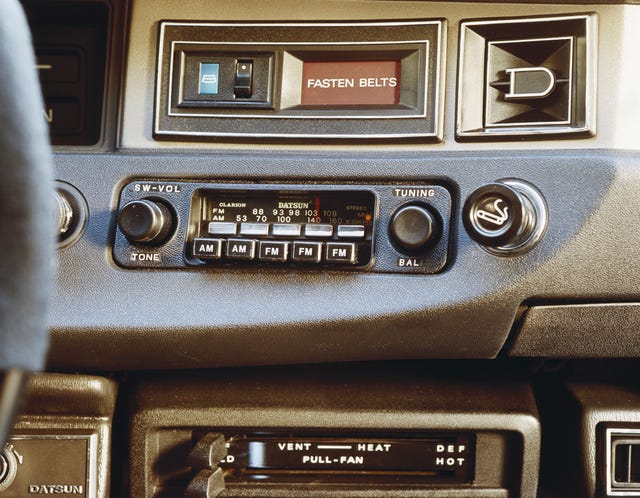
<point>299,80</point>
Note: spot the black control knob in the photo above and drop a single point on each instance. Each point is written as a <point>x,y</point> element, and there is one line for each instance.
<point>146,222</point>
<point>413,228</point>
<point>505,217</point>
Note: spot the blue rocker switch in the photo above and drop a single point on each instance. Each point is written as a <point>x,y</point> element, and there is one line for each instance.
<point>208,78</point>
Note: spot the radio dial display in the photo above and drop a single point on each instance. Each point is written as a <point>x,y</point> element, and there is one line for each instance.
<point>289,207</point>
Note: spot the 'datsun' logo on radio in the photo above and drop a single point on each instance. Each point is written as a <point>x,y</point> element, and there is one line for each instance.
<point>55,489</point>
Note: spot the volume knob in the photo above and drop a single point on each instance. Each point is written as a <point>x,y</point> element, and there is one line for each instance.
<point>506,217</point>
<point>146,222</point>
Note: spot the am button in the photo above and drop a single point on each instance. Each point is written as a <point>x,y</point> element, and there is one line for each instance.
<point>241,249</point>
<point>207,248</point>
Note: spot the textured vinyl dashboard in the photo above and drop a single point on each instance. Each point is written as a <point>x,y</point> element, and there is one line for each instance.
<point>107,317</point>
<point>110,317</point>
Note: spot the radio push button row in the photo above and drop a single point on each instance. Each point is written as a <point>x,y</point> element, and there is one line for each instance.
<point>351,231</point>
<point>273,250</point>
<point>207,248</point>
<point>506,217</point>
<point>286,230</point>
<point>341,252</point>
<point>307,252</point>
<point>241,249</point>
<point>323,231</point>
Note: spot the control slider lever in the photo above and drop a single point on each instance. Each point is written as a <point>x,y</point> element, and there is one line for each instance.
<point>204,459</point>
<point>206,484</point>
<point>208,452</point>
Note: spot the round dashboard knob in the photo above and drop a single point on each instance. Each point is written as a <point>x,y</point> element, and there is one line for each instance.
<point>8,467</point>
<point>413,228</point>
<point>64,214</point>
<point>146,222</point>
<point>505,217</point>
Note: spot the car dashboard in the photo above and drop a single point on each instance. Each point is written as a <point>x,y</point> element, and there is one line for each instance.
<point>338,248</point>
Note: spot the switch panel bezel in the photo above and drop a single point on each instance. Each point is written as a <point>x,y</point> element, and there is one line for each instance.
<point>279,51</point>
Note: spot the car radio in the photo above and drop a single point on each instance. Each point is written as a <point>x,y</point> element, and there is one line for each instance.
<point>380,228</point>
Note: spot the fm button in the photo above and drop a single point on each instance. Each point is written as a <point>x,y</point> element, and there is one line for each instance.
<point>506,217</point>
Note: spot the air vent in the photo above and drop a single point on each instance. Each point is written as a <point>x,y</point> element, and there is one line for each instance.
<point>527,77</point>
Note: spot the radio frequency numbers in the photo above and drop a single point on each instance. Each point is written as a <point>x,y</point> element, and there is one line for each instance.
<point>294,212</point>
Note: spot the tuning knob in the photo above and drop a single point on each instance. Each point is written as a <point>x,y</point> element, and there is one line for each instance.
<point>146,222</point>
<point>413,228</point>
<point>506,217</point>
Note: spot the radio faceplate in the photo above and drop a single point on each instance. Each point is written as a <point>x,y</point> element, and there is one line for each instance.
<point>373,227</point>
<point>324,227</point>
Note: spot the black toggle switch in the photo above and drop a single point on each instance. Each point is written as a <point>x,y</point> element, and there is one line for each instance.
<point>243,81</point>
